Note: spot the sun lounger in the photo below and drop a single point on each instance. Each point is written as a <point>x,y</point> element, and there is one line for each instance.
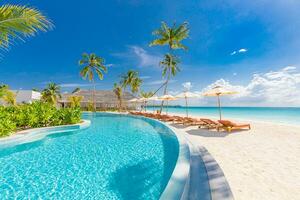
<point>194,122</point>
<point>184,120</point>
<point>209,124</point>
<point>229,125</point>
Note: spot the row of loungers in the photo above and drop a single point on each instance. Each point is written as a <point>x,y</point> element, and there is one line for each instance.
<point>201,123</point>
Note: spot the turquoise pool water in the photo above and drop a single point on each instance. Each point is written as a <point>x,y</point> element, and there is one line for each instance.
<point>118,157</point>
<point>282,115</point>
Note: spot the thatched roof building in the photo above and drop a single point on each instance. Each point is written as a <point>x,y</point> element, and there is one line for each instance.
<point>103,98</point>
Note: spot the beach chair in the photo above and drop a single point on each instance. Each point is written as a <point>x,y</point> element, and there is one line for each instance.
<point>194,122</point>
<point>229,125</point>
<point>184,120</point>
<point>209,124</point>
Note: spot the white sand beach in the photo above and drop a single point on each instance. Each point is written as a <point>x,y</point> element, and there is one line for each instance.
<point>263,163</point>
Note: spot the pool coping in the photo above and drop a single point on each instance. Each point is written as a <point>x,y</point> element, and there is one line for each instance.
<point>219,187</point>
<point>34,134</point>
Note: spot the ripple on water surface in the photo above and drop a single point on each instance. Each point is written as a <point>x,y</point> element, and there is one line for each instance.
<point>118,157</point>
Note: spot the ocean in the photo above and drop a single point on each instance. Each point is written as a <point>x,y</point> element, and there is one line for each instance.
<point>283,115</point>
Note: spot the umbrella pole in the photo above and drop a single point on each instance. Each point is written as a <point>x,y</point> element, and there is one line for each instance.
<point>167,107</point>
<point>219,103</point>
<point>186,107</point>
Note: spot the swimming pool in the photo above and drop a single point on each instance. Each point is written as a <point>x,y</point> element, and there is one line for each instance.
<point>117,157</point>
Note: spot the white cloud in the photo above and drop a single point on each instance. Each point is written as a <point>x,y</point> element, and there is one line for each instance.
<point>187,86</point>
<point>243,50</point>
<point>289,68</point>
<point>233,53</point>
<point>145,77</point>
<point>145,59</point>
<point>71,85</point>
<point>239,51</point>
<point>275,88</point>
<point>110,65</point>
<point>158,82</point>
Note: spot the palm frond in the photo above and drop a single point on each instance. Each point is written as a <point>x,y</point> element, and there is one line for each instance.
<point>20,22</point>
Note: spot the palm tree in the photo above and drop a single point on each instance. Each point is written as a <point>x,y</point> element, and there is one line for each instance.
<point>20,22</point>
<point>131,79</point>
<point>170,68</point>
<point>51,93</point>
<point>10,98</point>
<point>92,64</point>
<point>146,95</point>
<point>75,101</point>
<point>76,90</point>
<point>171,36</point>
<point>3,90</point>
<point>118,90</point>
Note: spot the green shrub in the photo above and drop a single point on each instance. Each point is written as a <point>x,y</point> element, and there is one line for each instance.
<point>7,124</point>
<point>37,114</point>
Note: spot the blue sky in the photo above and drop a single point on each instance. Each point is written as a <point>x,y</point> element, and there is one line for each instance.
<point>236,43</point>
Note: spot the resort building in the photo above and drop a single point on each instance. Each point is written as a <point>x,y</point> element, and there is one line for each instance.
<point>27,96</point>
<point>104,99</point>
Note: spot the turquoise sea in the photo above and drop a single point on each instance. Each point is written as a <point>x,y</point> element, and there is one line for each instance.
<point>284,115</point>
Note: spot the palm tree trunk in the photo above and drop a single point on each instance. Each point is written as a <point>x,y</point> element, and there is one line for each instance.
<point>94,93</point>
<point>165,91</point>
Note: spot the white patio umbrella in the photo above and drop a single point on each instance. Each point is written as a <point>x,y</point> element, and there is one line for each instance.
<point>219,91</point>
<point>167,98</point>
<point>154,98</point>
<point>134,100</point>
<point>187,95</point>
<point>144,100</point>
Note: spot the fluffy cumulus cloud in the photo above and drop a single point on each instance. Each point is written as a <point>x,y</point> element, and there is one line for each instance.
<point>275,88</point>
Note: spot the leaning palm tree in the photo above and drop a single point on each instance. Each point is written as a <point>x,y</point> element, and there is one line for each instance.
<point>171,35</point>
<point>170,68</point>
<point>20,22</point>
<point>92,64</point>
<point>51,93</point>
<point>118,90</point>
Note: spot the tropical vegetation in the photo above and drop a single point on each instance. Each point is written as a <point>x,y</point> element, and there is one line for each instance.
<point>7,96</point>
<point>75,101</point>
<point>37,114</point>
<point>169,68</point>
<point>91,64</point>
<point>170,36</point>
<point>51,93</point>
<point>19,22</point>
<point>132,80</point>
<point>118,90</point>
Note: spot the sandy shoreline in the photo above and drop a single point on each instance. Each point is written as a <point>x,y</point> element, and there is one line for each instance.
<point>263,163</point>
